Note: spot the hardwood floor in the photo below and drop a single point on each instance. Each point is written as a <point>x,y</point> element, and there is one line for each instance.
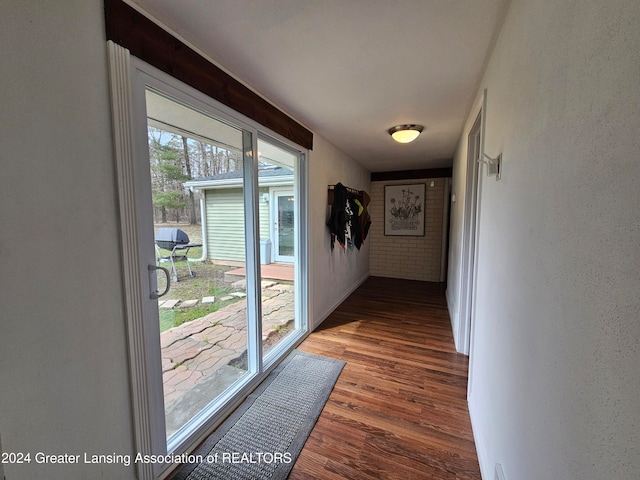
<point>398,410</point>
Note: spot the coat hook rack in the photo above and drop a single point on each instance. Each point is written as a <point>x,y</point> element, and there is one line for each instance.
<point>494,164</point>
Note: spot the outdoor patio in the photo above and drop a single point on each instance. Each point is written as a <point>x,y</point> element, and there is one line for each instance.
<point>201,358</point>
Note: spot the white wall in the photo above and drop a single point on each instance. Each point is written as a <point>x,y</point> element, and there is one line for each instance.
<point>334,274</point>
<point>63,365</point>
<point>555,387</point>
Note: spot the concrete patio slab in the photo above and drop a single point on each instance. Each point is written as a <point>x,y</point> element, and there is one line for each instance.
<point>188,304</point>
<point>200,357</point>
<point>169,303</point>
<point>181,409</point>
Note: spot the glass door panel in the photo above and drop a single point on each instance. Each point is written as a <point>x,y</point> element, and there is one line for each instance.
<point>203,316</point>
<point>284,225</point>
<point>277,179</point>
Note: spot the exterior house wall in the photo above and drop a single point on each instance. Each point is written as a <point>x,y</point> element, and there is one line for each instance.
<point>555,388</point>
<point>225,223</point>
<point>412,258</point>
<point>264,214</point>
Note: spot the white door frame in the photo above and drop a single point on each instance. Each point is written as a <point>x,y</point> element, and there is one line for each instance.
<point>136,290</point>
<point>275,192</point>
<point>469,236</point>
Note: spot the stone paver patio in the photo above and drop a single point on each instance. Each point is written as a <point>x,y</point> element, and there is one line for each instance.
<point>195,353</point>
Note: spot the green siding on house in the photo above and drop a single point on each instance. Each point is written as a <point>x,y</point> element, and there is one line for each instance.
<point>225,223</point>
<point>264,215</point>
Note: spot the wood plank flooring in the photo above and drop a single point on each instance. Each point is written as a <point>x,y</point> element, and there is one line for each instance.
<point>398,410</point>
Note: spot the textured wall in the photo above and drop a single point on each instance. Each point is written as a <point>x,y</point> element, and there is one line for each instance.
<point>555,382</point>
<point>64,384</point>
<point>412,258</point>
<point>334,273</point>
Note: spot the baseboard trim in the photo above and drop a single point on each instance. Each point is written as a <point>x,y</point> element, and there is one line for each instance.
<point>453,314</point>
<point>481,449</point>
<point>329,310</point>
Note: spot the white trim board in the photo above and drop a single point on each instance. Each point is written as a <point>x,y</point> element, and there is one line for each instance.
<point>141,390</point>
<point>478,439</point>
<point>453,318</point>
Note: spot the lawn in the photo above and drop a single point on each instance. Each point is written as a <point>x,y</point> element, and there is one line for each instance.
<point>208,281</point>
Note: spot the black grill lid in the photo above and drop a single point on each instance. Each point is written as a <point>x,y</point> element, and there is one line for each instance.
<point>173,235</point>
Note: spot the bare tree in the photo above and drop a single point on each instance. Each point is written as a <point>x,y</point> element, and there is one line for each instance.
<point>187,165</point>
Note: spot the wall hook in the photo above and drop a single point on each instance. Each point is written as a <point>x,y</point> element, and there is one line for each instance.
<point>493,164</point>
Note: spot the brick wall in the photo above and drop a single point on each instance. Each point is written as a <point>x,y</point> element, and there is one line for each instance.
<point>412,258</point>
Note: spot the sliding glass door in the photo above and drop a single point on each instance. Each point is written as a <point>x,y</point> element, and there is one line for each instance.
<point>218,202</point>
<point>278,181</point>
<point>202,317</point>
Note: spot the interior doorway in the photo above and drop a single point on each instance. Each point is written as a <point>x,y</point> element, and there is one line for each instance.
<point>469,232</point>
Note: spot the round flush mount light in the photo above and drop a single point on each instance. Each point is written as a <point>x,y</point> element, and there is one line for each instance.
<point>405,133</point>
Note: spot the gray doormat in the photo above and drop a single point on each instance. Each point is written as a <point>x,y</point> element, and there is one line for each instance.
<point>264,436</point>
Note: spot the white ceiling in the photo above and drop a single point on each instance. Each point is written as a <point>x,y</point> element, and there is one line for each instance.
<point>351,69</point>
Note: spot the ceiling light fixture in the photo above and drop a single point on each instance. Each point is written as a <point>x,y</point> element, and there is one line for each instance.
<point>405,133</point>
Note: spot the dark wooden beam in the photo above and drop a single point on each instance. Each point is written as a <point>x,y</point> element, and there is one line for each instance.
<point>149,42</point>
<point>412,174</point>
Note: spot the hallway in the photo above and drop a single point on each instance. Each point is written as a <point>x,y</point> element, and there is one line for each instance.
<point>399,409</point>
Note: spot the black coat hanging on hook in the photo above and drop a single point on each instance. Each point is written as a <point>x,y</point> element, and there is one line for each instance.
<point>339,217</point>
<point>349,221</point>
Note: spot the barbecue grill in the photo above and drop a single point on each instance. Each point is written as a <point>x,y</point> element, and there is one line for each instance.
<point>177,242</point>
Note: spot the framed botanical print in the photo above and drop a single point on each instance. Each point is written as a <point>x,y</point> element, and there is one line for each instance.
<point>404,207</point>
